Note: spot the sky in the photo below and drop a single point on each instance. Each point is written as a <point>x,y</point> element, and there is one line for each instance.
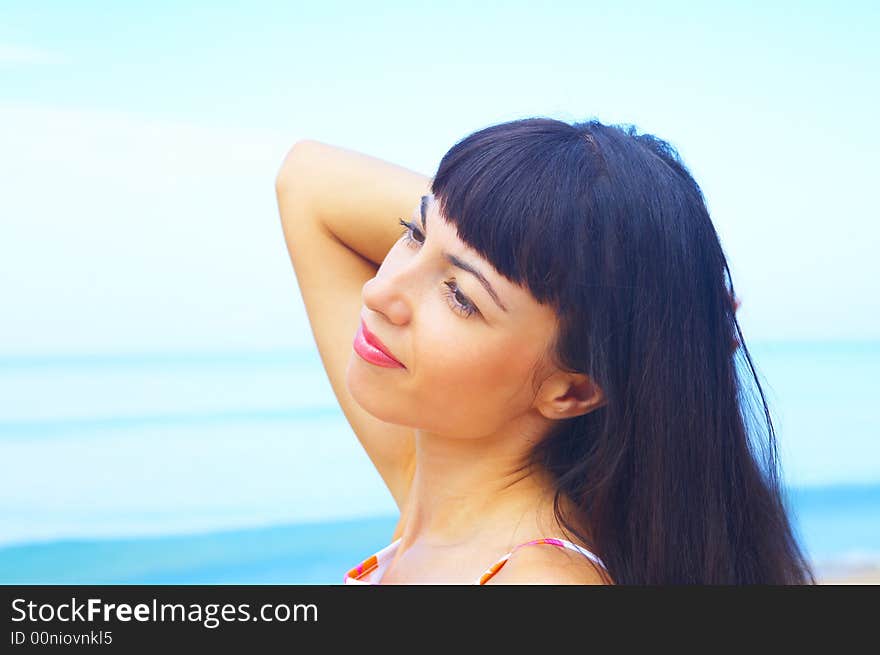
<point>139,144</point>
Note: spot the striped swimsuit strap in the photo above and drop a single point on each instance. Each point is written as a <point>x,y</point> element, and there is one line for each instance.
<point>561,543</point>
<point>361,573</point>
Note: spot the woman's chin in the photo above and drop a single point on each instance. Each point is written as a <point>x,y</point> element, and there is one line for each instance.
<point>370,395</point>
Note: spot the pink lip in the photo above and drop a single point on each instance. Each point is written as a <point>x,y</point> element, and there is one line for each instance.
<point>367,345</point>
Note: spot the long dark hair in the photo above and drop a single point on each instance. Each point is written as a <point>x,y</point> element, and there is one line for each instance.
<point>672,477</point>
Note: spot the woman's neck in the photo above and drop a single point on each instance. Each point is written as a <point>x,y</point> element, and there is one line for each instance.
<point>475,490</point>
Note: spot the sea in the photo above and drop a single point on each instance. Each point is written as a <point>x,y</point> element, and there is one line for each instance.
<point>240,468</point>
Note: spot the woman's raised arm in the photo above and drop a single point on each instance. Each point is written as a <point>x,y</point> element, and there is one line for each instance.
<point>356,197</point>
<point>339,211</point>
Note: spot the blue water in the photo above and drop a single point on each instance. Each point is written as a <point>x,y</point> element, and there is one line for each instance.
<point>310,553</point>
<point>240,468</point>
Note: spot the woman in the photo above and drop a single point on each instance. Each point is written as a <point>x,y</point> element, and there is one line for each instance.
<point>544,356</point>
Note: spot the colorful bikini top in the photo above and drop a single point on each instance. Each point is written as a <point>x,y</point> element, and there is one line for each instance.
<point>371,570</point>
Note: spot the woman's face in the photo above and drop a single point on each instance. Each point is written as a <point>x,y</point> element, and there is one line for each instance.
<point>470,358</point>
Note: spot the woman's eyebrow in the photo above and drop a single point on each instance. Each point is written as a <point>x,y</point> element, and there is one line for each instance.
<point>458,262</point>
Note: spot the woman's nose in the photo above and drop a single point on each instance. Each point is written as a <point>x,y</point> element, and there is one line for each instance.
<point>387,294</point>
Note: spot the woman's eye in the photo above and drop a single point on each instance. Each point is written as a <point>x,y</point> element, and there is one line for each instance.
<point>410,230</point>
<point>463,307</point>
<point>458,302</point>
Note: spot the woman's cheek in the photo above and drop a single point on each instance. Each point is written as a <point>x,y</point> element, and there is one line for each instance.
<point>477,367</point>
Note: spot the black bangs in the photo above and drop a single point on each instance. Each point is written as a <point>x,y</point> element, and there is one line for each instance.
<point>513,192</point>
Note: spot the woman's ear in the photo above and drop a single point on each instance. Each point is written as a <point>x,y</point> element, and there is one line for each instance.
<point>566,395</point>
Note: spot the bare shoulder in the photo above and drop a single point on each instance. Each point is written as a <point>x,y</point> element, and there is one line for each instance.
<point>547,564</point>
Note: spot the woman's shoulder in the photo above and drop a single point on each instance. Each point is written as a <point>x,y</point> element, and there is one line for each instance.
<point>540,562</point>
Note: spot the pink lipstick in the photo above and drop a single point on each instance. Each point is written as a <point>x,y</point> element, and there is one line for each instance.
<point>367,345</point>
